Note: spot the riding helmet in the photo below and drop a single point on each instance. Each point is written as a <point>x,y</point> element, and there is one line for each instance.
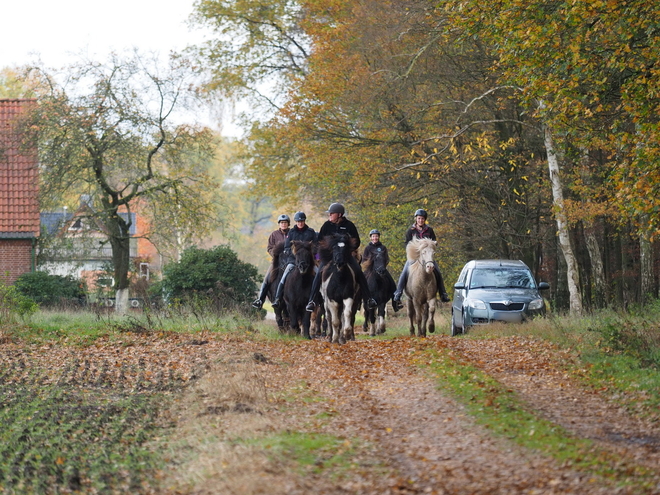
<point>421,213</point>
<point>374,231</point>
<point>299,217</point>
<point>336,208</point>
<point>283,218</point>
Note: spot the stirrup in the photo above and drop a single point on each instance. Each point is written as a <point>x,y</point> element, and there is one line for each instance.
<point>371,303</point>
<point>396,305</point>
<point>276,303</point>
<point>257,304</point>
<point>397,296</point>
<point>310,306</point>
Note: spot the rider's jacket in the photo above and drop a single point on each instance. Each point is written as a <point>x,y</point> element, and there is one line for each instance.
<point>275,238</point>
<point>295,234</point>
<point>344,226</point>
<point>372,248</point>
<point>425,233</point>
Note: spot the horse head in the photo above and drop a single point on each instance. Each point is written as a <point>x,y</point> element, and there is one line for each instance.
<point>304,257</point>
<point>337,249</point>
<point>422,251</point>
<point>376,264</point>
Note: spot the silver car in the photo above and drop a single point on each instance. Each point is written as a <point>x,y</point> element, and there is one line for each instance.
<point>495,290</point>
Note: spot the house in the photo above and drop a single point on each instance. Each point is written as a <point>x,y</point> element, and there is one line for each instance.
<point>76,244</point>
<point>19,206</point>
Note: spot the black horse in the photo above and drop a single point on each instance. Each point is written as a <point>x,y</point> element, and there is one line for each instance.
<point>277,269</point>
<point>382,287</point>
<point>298,285</point>
<point>340,288</point>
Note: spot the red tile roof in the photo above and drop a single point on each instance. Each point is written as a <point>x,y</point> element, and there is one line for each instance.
<point>19,206</point>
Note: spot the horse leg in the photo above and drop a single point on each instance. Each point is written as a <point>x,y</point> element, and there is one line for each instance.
<point>332,313</point>
<point>381,319</point>
<point>432,303</point>
<point>421,321</point>
<point>306,322</point>
<point>347,317</point>
<point>279,320</point>
<point>411,316</point>
<point>365,325</point>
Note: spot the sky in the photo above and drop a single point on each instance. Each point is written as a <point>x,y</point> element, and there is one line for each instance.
<point>57,32</point>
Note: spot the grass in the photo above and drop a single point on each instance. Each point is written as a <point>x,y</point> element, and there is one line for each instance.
<point>613,351</point>
<point>93,437</point>
<point>55,438</point>
<point>311,452</point>
<point>502,412</point>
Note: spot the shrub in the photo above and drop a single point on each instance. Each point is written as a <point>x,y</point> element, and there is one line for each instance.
<point>50,290</point>
<point>13,303</point>
<point>214,274</point>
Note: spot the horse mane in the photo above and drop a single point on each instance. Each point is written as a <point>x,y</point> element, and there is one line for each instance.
<point>328,242</point>
<point>368,265</point>
<point>416,245</point>
<point>277,252</point>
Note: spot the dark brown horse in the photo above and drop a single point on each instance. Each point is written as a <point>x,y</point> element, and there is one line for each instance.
<point>381,287</point>
<point>277,269</point>
<point>298,285</point>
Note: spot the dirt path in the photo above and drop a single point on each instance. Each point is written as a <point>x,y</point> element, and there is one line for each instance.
<point>413,438</point>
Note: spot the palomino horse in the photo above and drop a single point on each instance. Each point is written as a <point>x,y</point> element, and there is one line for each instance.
<point>277,269</point>
<point>381,287</point>
<point>421,287</point>
<point>298,286</point>
<point>339,286</point>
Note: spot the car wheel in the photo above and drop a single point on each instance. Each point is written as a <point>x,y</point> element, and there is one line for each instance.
<point>455,329</point>
<point>464,328</point>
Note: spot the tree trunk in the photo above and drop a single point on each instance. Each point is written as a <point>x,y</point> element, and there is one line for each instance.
<point>121,258</point>
<point>597,267</point>
<point>562,226</point>
<point>646,263</point>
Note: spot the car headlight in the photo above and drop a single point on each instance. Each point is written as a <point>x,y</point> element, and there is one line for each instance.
<point>536,304</point>
<point>476,304</point>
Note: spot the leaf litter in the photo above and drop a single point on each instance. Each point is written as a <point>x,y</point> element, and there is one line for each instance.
<point>409,436</point>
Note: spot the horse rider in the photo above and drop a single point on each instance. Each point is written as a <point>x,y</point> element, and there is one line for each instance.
<point>372,249</point>
<point>420,230</point>
<point>300,232</point>
<point>275,237</point>
<point>337,223</point>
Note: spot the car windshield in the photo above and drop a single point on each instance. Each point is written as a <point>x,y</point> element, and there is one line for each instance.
<point>501,277</point>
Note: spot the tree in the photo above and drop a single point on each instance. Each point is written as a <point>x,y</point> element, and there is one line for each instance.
<point>108,130</point>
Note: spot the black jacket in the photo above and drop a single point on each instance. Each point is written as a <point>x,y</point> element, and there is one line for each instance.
<point>295,234</point>
<point>344,226</point>
<point>371,249</point>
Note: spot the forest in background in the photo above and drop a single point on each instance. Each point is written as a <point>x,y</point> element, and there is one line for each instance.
<point>527,129</point>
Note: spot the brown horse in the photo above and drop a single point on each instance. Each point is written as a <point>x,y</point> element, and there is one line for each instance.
<point>298,286</point>
<point>421,287</point>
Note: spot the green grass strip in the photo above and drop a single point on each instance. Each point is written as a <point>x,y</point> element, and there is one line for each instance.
<point>311,451</point>
<point>500,410</point>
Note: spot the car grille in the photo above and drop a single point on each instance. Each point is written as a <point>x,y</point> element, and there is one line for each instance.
<point>504,307</point>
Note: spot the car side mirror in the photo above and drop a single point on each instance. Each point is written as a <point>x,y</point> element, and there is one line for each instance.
<point>544,285</point>
<point>459,286</point>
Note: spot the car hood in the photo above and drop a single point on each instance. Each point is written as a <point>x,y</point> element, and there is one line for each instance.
<point>513,294</point>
